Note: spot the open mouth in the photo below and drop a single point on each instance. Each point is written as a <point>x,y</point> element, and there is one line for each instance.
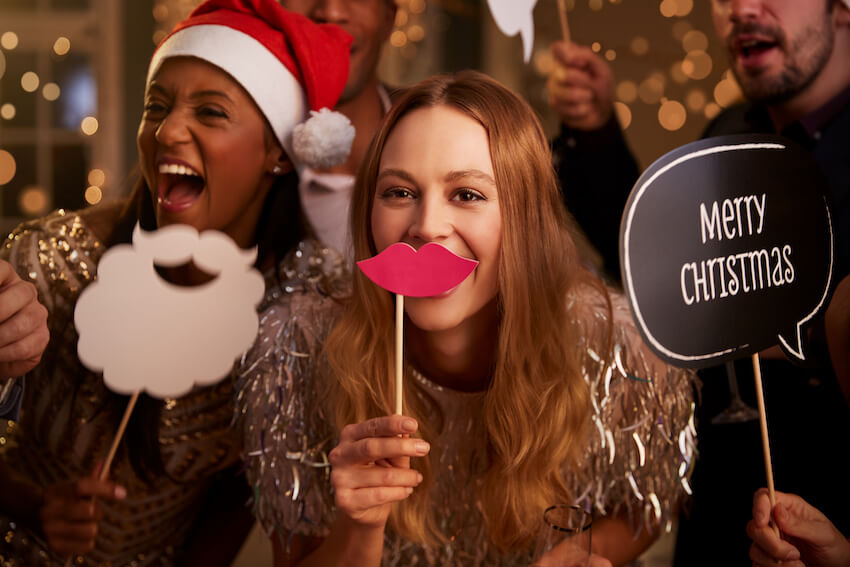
<point>179,186</point>
<point>751,51</point>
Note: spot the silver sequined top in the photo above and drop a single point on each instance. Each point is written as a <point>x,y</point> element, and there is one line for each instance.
<point>639,454</point>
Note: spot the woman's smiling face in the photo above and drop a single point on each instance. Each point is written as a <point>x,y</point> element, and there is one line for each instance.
<point>206,151</point>
<point>436,184</point>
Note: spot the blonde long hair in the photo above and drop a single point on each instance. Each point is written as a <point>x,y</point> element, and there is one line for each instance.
<point>536,408</point>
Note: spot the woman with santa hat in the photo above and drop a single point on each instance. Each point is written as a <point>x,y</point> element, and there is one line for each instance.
<point>224,132</point>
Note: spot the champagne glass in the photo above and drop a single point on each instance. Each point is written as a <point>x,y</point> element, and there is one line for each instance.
<point>566,536</point>
<point>737,411</point>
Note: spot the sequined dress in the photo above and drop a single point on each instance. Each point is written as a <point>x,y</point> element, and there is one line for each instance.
<point>638,457</point>
<point>63,431</point>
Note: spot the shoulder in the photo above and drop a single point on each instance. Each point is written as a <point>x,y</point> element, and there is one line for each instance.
<point>737,119</point>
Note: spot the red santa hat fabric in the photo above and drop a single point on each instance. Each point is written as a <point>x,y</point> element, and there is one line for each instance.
<point>291,67</point>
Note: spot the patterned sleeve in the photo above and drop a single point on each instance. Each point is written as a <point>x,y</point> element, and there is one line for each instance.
<point>286,438</point>
<point>643,437</point>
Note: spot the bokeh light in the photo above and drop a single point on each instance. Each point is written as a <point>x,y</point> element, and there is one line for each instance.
<point>677,74</point>
<point>29,82</point>
<point>596,47</point>
<point>681,28</point>
<point>93,195</point>
<point>672,115</point>
<point>97,177</point>
<point>89,125</point>
<point>543,62</point>
<point>61,46</point>
<point>416,33</point>
<point>640,45</point>
<point>695,40</point>
<point>8,167</point>
<point>401,17</point>
<point>624,114</point>
<point>695,100</point>
<point>727,92</point>
<point>50,91</point>
<point>9,40</point>
<point>610,54</point>
<point>416,6</point>
<point>627,91</point>
<point>33,201</point>
<point>8,111</point>
<point>684,7</point>
<point>160,12</point>
<point>595,5</point>
<point>711,110</point>
<point>651,89</point>
<point>668,8</point>
<point>697,65</point>
<point>398,38</point>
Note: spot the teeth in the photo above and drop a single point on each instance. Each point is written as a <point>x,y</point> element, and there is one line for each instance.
<point>176,169</point>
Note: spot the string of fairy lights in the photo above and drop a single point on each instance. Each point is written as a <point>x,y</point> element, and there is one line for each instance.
<point>34,200</point>
<point>678,85</point>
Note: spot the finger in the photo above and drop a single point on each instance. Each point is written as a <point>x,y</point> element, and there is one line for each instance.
<point>80,532</point>
<point>571,95</point>
<point>14,296</point>
<point>763,558</point>
<point>65,547</point>
<point>374,477</point>
<point>814,530</point>
<point>761,507</point>
<point>387,426</point>
<point>571,77</point>
<point>92,487</point>
<point>767,542</point>
<point>27,320</point>
<point>377,448</point>
<point>359,500</point>
<point>71,510</point>
<point>7,274</point>
<point>573,54</point>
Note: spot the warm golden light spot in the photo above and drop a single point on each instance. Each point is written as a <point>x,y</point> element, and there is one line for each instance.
<point>711,110</point>
<point>97,177</point>
<point>416,6</point>
<point>650,90</point>
<point>595,5</point>
<point>89,125</point>
<point>672,115</point>
<point>610,55</point>
<point>684,7</point>
<point>8,111</point>
<point>680,28</point>
<point>61,46</point>
<point>8,167</point>
<point>596,47</point>
<point>398,38</point>
<point>50,91</point>
<point>543,62</point>
<point>624,114</point>
<point>677,73</point>
<point>401,17</point>
<point>727,92</point>
<point>640,45</point>
<point>33,201</point>
<point>158,36</point>
<point>627,91</point>
<point>9,40</point>
<point>160,12</point>
<point>416,33</point>
<point>93,195</point>
<point>29,82</point>
<point>697,65</point>
<point>668,8</point>
<point>695,40</point>
<point>695,100</point>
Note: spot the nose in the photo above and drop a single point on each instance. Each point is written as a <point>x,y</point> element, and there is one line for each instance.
<point>330,11</point>
<point>431,222</point>
<point>173,129</point>
<point>742,10</point>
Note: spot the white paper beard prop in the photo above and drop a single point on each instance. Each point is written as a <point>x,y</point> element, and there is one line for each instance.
<point>147,334</point>
<point>516,17</point>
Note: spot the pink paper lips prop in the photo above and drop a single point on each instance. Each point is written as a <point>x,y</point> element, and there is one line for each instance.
<point>432,270</point>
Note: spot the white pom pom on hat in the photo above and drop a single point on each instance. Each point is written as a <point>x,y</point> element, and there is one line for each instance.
<point>293,68</point>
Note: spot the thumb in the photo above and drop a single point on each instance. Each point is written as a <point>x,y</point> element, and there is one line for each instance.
<point>98,468</point>
<point>792,525</point>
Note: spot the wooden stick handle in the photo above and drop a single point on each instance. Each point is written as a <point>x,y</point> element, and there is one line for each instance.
<point>765,440</point>
<point>562,15</point>
<point>399,350</point>
<point>104,471</point>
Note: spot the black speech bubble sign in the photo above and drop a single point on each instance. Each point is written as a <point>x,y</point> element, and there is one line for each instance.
<point>757,199</point>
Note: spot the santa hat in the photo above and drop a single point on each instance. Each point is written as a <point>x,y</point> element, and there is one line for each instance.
<point>293,68</point>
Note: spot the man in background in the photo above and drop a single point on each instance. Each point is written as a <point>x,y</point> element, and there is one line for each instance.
<point>792,61</point>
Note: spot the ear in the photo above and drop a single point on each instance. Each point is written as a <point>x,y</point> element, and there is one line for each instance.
<point>277,162</point>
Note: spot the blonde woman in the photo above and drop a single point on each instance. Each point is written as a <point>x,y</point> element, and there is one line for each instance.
<point>525,386</point>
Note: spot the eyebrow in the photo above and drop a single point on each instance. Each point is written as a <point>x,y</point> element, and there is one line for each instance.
<point>449,177</point>
<point>195,95</point>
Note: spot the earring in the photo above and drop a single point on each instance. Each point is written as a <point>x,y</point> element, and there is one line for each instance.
<point>277,170</point>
